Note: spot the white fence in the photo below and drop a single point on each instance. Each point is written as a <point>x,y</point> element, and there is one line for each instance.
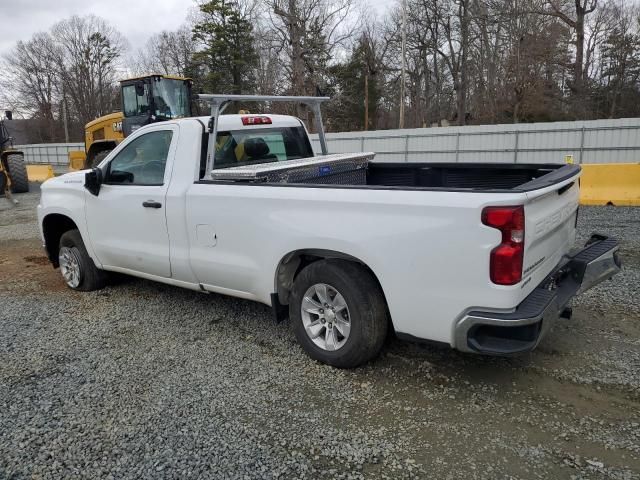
<point>56,154</point>
<point>596,141</point>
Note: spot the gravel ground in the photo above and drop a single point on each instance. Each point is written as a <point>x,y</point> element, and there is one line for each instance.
<point>143,380</point>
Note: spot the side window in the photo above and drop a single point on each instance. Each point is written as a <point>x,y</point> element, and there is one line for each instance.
<point>143,161</point>
<point>135,104</point>
<point>129,100</point>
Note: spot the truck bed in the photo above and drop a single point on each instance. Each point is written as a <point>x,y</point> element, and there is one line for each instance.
<point>357,170</point>
<point>468,176</point>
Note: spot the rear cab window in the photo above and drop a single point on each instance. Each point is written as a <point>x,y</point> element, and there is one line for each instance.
<point>263,145</point>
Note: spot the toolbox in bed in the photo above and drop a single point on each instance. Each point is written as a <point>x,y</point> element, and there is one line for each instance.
<point>336,169</point>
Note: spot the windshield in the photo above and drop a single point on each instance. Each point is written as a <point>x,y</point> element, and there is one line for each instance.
<point>170,98</point>
<point>264,145</point>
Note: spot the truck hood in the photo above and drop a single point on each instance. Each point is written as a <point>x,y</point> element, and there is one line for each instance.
<point>71,178</point>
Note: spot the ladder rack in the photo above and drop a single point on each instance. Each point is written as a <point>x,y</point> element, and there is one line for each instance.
<point>219,102</point>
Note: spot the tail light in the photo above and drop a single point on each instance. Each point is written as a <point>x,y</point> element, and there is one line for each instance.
<point>505,267</point>
<point>256,120</point>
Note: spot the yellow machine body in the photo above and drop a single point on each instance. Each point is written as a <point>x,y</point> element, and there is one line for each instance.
<point>100,135</point>
<point>105,128</point>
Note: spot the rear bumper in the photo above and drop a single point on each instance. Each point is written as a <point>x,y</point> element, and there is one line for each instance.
<point>521,330</point>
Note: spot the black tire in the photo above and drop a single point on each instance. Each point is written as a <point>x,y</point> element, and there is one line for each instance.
<point>91,278</point>
<point>97,158</point>
<point>18,172</point>
<point>366,305</point>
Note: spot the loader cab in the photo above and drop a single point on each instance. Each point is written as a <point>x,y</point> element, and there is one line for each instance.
<point>154,98</point>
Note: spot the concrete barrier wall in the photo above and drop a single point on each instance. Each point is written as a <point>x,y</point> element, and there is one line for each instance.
<point>597,141</point>
<point>605,184</point>
<point>56,154</point>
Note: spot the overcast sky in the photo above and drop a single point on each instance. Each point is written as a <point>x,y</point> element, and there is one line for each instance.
<point>137,20</point>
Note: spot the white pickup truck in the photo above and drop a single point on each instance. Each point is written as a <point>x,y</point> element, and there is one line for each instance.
<point>477,256</point>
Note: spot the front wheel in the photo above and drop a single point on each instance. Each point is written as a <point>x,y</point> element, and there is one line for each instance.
<point>76,266</point>
<point>18,172</point>
<point>338,313</point>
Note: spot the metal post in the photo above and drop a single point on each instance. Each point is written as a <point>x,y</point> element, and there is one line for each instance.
<point>318,114</point>
<point>362,144</point>
<point>404,63</point>
<point>581,145</point>
<point>515,149</point>
<point>64,118</point>
<point>406,148</point>
<point>366,98</point>
<point>457,146</point>
<point>213,133</point>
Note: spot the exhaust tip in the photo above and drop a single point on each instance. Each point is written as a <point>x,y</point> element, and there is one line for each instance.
<point>567,313</point>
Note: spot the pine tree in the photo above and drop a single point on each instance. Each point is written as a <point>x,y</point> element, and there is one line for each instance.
<point>228,58</point>
<point>351,84</point>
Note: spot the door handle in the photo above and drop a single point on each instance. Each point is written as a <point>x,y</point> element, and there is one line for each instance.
<point>151,204</point>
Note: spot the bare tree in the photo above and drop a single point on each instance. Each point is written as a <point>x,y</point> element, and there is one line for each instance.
<point>620,62</point>
<point>309,32</point>
<point>30,82</point>
<point>450,38</point>
<point>596,31</point>
<point>573,13</point>
<point>270,76</point>
<point>168,53</point>
<point>87,54</point>
<point>375,49</point>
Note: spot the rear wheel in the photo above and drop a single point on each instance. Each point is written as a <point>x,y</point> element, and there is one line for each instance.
<point>18,172</point>
<point>76,266</point>
<point>338,313</point>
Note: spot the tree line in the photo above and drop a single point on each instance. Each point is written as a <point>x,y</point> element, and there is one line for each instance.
<point>465,61</point>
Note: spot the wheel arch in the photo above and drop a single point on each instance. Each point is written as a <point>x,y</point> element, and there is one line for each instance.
<point>293,262</point>
<point>54,225</point>
<point>10,151</point>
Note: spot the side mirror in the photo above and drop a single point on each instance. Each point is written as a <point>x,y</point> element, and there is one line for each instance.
<point>93,180</point>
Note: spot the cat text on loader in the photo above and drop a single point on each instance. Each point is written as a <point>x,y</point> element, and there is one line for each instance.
<point>13,172</point>
<point>149,99</point>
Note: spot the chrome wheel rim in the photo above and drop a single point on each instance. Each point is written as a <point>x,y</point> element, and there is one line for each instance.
<point>325,316</point>
<point>70,266</point>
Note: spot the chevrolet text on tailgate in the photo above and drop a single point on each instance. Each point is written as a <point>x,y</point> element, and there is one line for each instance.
<point>478,256</point>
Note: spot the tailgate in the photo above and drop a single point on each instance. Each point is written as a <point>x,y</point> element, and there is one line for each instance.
<point>550,228</point>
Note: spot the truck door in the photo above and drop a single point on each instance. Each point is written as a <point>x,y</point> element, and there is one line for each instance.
<point>127,221</point>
